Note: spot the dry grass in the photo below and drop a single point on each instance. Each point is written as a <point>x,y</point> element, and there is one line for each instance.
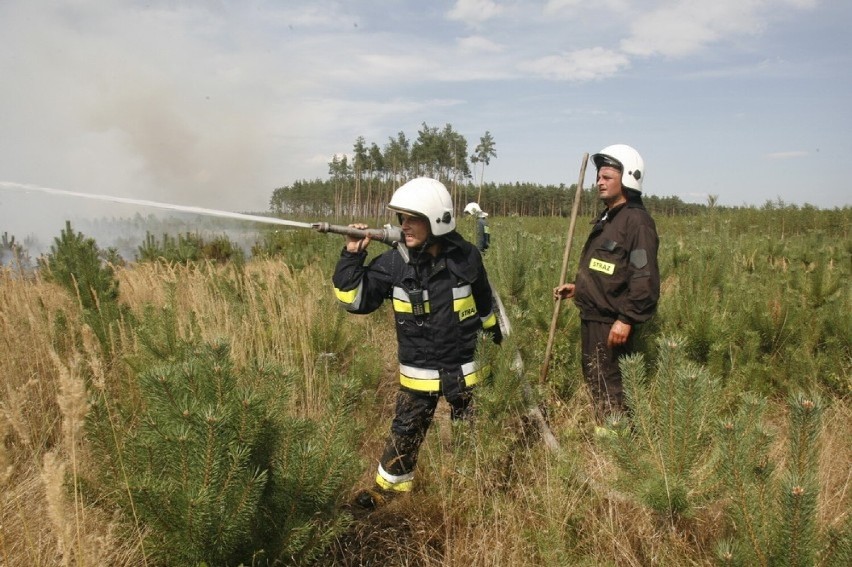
<point>835,468</point>
<point>284,317</point>
<point>42,408</point>
<point>526,507</point>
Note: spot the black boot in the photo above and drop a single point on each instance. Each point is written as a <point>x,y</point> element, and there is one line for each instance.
<point>372,498</point>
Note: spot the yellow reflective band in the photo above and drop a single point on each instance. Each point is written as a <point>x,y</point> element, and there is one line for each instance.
<point>476,376</point>
<point>471,379</point>
<point>420,384</point>
<point>419,379</point>
<point>465,307</point>
<point>404,486</point>
<point>351,299</point>
<point>405,307</point>
<point>601,266</point>
<point>489,321</point>
<point>428,380</point>
<point>346,296</point>
<point>463,302</point>
<point>401,303</point>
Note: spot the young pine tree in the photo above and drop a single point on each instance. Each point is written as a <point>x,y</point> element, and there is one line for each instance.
<point>212,472</point>
<point>663,448</point>
<point>74,262</point>
<point>774,513</point>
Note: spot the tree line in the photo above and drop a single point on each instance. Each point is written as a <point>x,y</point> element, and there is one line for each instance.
<point>345,197</point>
<point>360,185</point>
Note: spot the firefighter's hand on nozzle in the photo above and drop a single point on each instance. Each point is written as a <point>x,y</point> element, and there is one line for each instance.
<point>564,291</point>
<point>355,244</point>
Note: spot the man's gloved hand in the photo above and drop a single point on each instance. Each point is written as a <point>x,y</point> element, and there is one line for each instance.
<point>495,333</point>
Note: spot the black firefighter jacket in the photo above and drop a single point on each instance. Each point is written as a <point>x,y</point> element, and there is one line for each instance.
<point>618,277</point>
<point>440,304</point>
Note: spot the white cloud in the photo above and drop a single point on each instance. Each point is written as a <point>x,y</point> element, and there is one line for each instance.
<point>557,6</point>
<point>682,28</point>
<point>614,7</point>
<point>474,11</point>
<point>580,65</point>
<point>803,4</point>
<point>477,43</point>
<point>383,66</point>
<point>765,68</point>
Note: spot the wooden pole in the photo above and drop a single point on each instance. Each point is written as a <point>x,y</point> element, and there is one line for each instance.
<point>558,303</point>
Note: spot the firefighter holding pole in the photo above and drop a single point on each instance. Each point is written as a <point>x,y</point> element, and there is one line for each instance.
<point>617,286</point>
<point>442,302</point>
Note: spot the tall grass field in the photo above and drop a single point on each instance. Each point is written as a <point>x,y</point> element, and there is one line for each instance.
<point>190,410</point>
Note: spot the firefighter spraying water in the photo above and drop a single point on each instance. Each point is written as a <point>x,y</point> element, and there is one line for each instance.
<point>442,303</point>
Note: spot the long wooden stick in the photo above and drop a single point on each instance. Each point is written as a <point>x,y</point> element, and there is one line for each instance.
<point>558,303</point>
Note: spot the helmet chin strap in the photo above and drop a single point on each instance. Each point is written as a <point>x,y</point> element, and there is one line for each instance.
<point>427,244</point>
<point>430,240</point>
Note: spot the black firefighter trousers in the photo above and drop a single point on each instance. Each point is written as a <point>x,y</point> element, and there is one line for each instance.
<point>600,367</point>
<point>414,415</point>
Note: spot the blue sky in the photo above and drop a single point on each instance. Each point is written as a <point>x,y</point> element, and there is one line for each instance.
<point>216,103</point>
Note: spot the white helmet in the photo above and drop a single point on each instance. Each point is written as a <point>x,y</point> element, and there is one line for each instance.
<point>625,158</point>
<point>426,197</point>
<point>472,209</point>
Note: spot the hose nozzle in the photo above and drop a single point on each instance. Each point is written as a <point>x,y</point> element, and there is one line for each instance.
<point>390,235</point>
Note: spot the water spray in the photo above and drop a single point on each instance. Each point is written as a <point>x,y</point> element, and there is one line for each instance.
<point>155,204</point>
<point>390,235</point>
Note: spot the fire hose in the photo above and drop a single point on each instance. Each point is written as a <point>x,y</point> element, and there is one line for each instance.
<point>533,410</point>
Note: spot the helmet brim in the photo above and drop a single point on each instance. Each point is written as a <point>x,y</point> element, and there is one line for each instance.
<point>406,212</point>
<point>603,160</point>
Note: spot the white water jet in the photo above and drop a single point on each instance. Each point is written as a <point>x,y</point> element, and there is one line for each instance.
<point>197,210</point>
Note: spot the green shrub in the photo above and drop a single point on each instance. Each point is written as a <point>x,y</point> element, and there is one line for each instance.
<point>214,470</point>
<point>663,449</point>
<point>188,247</point>
<point>300,248</point>
<point>74,262</point>
<point>773,513</point>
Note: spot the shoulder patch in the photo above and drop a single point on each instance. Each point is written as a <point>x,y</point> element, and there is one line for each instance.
<point>639,258</point>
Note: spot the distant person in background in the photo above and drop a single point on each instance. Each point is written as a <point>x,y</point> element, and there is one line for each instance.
<point>483,233</point>
<point>618,281</point>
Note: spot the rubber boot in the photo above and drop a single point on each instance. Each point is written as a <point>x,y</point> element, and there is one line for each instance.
<point>372,498</point>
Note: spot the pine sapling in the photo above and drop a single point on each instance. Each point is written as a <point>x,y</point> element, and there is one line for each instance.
<point>744,467</point>
<point>774,516</point>
<point>796,543</point>
<point>662,449</point>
